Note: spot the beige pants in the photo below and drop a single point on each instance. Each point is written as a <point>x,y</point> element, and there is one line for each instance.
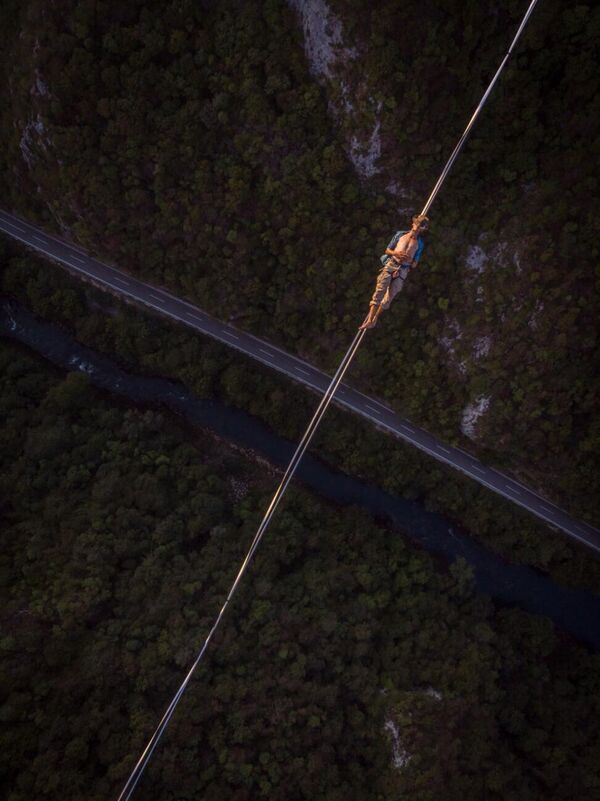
<point>387,287</point>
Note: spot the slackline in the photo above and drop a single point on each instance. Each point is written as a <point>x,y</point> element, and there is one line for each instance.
<point>146,755</point>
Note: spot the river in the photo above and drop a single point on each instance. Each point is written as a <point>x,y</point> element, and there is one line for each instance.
<point>574,611</point>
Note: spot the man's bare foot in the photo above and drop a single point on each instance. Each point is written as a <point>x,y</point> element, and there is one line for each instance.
<point>368,324</point>
<point>370,320</point>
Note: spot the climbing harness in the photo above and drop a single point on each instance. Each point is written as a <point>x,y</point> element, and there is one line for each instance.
<point>142,762</point>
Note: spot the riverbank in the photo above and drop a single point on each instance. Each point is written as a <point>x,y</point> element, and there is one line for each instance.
<point>574,611</point>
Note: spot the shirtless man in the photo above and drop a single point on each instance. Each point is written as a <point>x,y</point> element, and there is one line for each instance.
<point>403,252</point>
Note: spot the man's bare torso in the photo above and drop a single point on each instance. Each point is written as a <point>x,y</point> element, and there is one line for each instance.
<point>406,247</point>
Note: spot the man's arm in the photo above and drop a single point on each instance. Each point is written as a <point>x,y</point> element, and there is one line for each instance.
<point>389,251</point>
<point>398,254</point>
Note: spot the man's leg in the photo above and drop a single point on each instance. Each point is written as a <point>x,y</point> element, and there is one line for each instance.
<point>381,287</point>
<point>396,285</point>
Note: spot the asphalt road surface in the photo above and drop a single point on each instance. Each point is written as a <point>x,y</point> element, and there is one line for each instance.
<point>78,262</point>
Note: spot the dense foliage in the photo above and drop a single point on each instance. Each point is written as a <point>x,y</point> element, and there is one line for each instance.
<point>119,539</point>
<point>188,142</point>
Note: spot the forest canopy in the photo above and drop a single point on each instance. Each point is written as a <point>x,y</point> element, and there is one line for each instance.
<point>345,648</point>
<point>189,143</point>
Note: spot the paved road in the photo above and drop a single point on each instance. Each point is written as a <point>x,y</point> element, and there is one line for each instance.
<point>77,261</point>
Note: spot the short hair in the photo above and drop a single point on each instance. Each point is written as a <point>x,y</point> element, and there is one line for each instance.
<point>421,219</point>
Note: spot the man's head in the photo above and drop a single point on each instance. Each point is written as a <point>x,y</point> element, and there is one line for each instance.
<point>420,223</point>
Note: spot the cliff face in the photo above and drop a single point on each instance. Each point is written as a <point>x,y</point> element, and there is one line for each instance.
<point>283,144</point>
<point>337,68</point>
